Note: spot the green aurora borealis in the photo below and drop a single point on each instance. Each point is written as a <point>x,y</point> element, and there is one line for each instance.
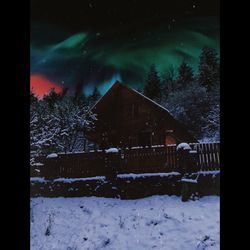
<point>99,57</point>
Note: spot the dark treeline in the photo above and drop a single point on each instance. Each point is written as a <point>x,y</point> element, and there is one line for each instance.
<point>193,98</point>
<point>58,121</point>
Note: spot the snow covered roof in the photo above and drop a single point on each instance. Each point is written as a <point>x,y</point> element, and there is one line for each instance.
<point>155,103</point>
<point>119,84</point>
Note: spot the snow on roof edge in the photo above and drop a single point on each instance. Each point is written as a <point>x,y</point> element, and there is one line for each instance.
<point>157,104</point>
<point>104,95</point>
<point>117,82</point>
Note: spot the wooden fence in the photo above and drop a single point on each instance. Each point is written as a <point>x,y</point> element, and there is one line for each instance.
<point>208,155</point>
<point>135,160</point>
<point>73,165</point>
<point>153,160</point>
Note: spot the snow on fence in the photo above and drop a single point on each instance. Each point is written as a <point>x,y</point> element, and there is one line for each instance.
<point>151,159</point>
<point>136,160</point>
<point>208,155</point>
<point>74,165</point>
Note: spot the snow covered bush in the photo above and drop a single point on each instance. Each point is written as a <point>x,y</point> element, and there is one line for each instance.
<point>197,109</point>
<point>57,123</point>
<point>192,96</point>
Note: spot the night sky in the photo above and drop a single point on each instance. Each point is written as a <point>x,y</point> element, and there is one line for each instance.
<point>82,44</point>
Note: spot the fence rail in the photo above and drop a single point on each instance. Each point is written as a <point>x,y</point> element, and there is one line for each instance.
<point>154,159</point>
<point>208,155</point>
<point>135,160</point>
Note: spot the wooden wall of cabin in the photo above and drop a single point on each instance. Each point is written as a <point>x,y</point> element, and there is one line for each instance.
<point>106,132</point>
<point>147,120</point>
<point>126,119</point>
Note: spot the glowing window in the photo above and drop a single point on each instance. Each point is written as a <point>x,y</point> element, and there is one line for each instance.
<point>170,140</point>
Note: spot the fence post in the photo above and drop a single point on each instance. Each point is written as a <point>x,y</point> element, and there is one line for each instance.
<point>187,165</point>
<point>183,150</point>
<point>51,166</point>
<point>112,163</point>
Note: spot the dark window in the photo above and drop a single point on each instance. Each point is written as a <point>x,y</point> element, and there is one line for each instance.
<point>144,139</point>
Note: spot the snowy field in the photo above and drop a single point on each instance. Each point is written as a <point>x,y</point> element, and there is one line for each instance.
<point>157,222</point>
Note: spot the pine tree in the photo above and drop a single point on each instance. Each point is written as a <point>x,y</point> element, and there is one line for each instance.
<point>169,83</point>
<point>95,96</point>
<point>185,76</point>
<point>152,88</point>
<point>33,98</point>
<point>51,98</point>
<point>64,92</point>
<point>209,68</point>
<point>79,87</point>
<point>79,99</point>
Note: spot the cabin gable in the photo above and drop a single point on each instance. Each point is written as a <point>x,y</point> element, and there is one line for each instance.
<point>126,118</point>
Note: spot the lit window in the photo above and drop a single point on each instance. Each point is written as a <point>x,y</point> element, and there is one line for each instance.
<point>169,140</point>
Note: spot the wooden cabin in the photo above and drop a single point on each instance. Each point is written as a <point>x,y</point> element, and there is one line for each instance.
<point>127,118</point>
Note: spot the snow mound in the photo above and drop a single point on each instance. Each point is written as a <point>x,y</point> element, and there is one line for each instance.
<point>38,179</point>
<point>53,155</point>
<point>189,180</point>
<point>183,146</point>
<point>112,150</point>
<point>71,180</point>
<point>143,175</point>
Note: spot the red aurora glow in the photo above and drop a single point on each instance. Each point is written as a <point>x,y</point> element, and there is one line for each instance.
<point>41,85</point>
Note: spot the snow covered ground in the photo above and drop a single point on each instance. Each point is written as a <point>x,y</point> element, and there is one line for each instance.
<point>157,222</point>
